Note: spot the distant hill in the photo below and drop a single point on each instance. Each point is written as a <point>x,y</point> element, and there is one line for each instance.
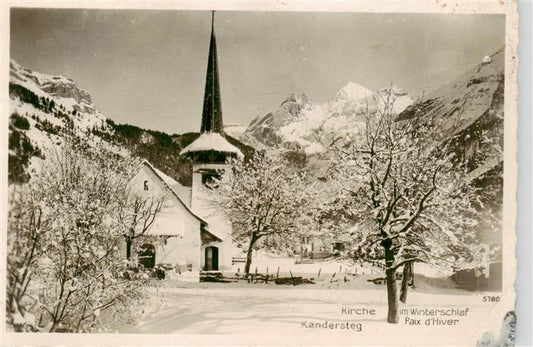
<point>44,107</point>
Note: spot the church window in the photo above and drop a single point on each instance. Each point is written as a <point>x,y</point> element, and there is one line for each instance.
<point>209,179</point>
<point>145,185</point>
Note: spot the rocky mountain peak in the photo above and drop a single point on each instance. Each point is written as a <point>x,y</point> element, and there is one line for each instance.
<point>462,102</point>
<point>394,90</point>
<point>352,91</point>
<point>295,122</point>
<point>300,99</point>
<point>53,85</point>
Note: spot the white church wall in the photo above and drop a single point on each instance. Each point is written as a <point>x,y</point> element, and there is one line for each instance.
<point>218,222</point>
<point>183,247</point>
<point>178,251</point>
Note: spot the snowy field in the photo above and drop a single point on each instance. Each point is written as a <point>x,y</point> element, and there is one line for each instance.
<point>264,261</point>
<point>213,309</point>
<point>279,310</point>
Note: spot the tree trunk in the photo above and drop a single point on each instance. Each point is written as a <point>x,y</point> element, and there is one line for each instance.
<point>406,281</point>
<point>392,288</point>
<point>54,326</point>
<point>249,256</point>
<point>392,296</point>
<point>128,247</point>
<point>10,303</point>
<point>412,270</point>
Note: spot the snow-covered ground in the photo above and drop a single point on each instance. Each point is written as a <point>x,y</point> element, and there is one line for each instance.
<point>210,308</point>
<point>285,310</point>
<point>263,260</point>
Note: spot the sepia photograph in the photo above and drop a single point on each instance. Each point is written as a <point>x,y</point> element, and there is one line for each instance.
<point>298,175</point>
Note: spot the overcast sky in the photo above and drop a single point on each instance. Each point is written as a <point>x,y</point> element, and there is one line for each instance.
<point>148,67</point>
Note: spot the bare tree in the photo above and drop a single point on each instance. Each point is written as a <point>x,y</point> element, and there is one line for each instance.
<point>263,198</point>
<point>25,231</point>
<point>140,213</point>
<point>399,180</point>
<point>71,247</point>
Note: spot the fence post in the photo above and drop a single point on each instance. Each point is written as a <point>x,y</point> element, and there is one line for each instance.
<point>266,278</point>
<point>277,274</point>
<point>292,278</point>
<point>319,270</point>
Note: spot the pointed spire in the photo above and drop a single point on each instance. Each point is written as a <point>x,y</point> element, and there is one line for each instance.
<point>212,111</point>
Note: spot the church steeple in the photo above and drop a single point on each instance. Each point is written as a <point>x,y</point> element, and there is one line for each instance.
<point>211,146</point>
<point>212,110</point>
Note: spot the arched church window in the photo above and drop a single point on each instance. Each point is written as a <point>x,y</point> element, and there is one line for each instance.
<point>145,185</point>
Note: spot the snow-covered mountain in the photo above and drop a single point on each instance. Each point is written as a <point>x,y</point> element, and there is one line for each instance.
<point>43,108</point>
<point>352,91</point>
<point>471,107</point>
<point>41,105</point>
<point>61,89</point>
<point>294,124</point>
<point>235,130</point>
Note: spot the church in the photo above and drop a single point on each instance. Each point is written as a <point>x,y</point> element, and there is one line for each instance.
<point>190,235</point>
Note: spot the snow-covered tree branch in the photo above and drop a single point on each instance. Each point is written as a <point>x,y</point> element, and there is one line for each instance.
<point>264,197</point>
<point>64,242</point>
<point>402,184</point>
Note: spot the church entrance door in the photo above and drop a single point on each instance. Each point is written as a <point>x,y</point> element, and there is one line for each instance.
<point>211,258</point>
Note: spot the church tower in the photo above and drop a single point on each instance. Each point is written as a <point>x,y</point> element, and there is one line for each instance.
<point>209,154</point>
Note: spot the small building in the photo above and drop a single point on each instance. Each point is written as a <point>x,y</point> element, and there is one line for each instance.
<point>488,278</point>
<point>178,238</point>
<point>341,244</point>
<point>314,247</point>
<point>189,234</point>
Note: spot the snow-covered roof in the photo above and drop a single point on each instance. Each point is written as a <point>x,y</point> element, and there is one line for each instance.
<point>167,179</point>
<point>171,184</point>
<point>167,225</point>
<point>211,142</point>
<point>183,192</point>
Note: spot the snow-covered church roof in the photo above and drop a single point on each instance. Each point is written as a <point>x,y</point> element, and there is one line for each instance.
<point>173,186</point>
<point>210,141</point>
